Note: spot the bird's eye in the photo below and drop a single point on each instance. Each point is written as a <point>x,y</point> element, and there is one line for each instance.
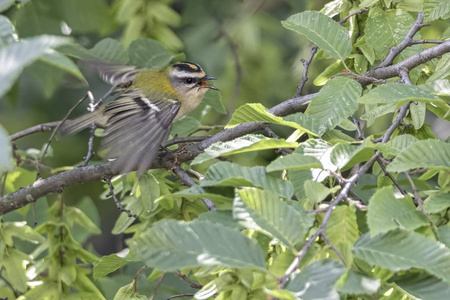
<point>189,80</point>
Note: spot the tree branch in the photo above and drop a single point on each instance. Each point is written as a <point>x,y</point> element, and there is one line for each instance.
<point>190,182</point>
<point>394,51</point>
<point>34,129</point>
<point>59,181</point>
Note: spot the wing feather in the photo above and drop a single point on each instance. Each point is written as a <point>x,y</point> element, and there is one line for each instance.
<point>135,130</point>
<point>115,74</point>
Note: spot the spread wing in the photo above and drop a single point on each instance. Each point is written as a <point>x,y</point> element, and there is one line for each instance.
<point>115,74</point>
<point>136,128</point>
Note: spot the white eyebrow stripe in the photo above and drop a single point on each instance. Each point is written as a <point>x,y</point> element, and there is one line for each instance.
<point>150,104</point>
<point>182,74</point>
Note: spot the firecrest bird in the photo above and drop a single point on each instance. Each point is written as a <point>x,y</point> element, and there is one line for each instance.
<point>138,122</point>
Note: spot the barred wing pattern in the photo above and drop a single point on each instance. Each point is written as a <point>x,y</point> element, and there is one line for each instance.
<point>136,128</point>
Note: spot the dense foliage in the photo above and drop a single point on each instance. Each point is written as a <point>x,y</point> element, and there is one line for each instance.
<point>339,194</point>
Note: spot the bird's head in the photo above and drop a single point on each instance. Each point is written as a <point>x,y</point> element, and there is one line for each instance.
<point>189,80</point>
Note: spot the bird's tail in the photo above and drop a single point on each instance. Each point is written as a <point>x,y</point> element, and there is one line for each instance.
<point>80,123</point>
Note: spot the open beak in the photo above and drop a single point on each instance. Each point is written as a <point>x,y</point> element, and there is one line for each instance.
<point>204,84</point>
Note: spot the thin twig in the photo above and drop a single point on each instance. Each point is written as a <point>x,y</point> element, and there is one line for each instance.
<point>306,64</point>
<point>394,51</point>
<point>332,247</point>
<point>37,128</point>
<point>186,139</point>
<point>136,278</point>
<point>196,174</point>
<point>209,127</point>
<point>191,283</point>
<point>397,184</point>
<point>190,182</point>
<point>414,42</point>
<point>90,152</point>
<point>361,11</point>
<point>272,134</point>
<point>113,90</point>
<point>116,201</point>
<point>358,204</point>
<point>417,198</point>
<point>53,134</point>
<point>359,130</point>
<point>358,77</point>
<point>180,295</point>
<point>155,290</point>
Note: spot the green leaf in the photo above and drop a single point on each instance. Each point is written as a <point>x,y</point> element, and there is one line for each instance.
<point>246,143</point>
<point>149,187</point>
<point>229,174</point>
<point>264,211</point>
<point>317,192</point>
<point>386,29</point>
<point>442,68</point>
<point>444,235</point>
<point>307,121</point>
<point>294,161</point>
<point>342,230</point>
<point>402,250</point>
<point>396,145</point>
<point>5,4</point>
<point>108,49</point>
<point>22,231</point>
<point>333,69</point>
<point>317,280</point>
<point>323,31</point>
<point>386,212</point>
<point>76,215</point>
<point>16,56</point>
<point>397,93</point>
<point>417,112</point>
<point>297,178</point>
<point>185,126</point>
<point>7,32</point>
<point>60,61</point>
<point>108,264</point>
<point>368,3</point>
<point>149,53</point>
<point>435,9</point>
<point>349,155</point>
<point>423,286</point>
<point>171,245</point>
<point>336,101</point>
<point>222,217</point>
<point>5,151</point>
<point>214,99</point>
<point>321,150</point>
<point>422,154</point>
<point>357,284</point>
<point>436,203</point>
<point>194,193</point>
<point>256,112</point>
<point>13,264</point>
<point>373,111</point>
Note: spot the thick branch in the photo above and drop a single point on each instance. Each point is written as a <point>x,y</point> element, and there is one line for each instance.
<point>57,182</point>
<point>409,63</point>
